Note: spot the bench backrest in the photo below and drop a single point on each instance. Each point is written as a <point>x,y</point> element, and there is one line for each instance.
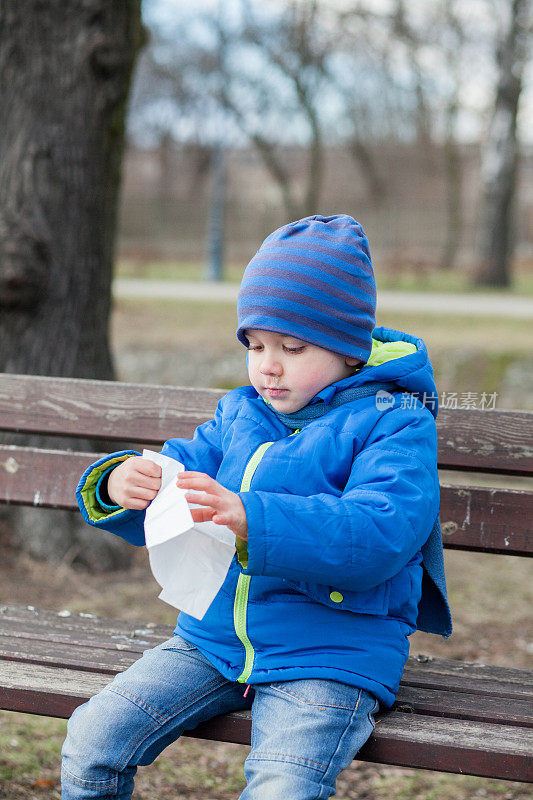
<point>485,519</point>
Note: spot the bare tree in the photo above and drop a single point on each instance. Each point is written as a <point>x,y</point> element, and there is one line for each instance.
<point>367,112</point>
<point>215,216</point>
<point>294,78</point>
<point>273,106</point>
<point>441,43</point>
<point>500,157</point>
<point>65,68</point>
<point>295,47</point>
<point>290,79</point>
<point>413,40</point>
<point>452,46</point>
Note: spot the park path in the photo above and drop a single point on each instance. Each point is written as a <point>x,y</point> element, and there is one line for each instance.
<point>491,304</point>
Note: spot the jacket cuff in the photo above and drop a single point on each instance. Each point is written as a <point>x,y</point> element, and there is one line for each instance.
<point>102,494</point>
<point>256,543</point>
<point>93,510</point>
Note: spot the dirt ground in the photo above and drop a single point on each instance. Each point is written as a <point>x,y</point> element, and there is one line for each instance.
<point>491,598</point>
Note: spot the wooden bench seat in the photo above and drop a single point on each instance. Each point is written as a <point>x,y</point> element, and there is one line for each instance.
<point>449,715</point>
<point>483,715</point>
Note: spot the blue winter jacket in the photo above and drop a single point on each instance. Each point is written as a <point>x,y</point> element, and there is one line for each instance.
<point>329,581</point>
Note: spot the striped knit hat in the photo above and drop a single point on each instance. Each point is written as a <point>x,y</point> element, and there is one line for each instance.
<point>312,279</point>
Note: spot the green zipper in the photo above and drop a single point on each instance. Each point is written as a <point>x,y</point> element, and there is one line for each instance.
<point>240,604</point>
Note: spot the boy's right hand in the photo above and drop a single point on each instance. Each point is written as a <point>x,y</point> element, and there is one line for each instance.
<point>134,483</point>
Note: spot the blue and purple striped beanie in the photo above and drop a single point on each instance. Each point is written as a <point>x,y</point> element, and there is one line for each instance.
<point>312,279</point>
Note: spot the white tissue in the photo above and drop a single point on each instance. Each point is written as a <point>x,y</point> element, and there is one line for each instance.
<point>189,561</point>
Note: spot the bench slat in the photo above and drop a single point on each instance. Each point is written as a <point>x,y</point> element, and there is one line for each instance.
<point>100,660</point>
<point>403,739</point>
<point>460,705</point>
<point>488,441</point>
<point>500,709</point>
<point>89,629</point>
<point>488,520</point>
<point>83,627</point>
<point>462,676</point>
<point>84,653</point>
<point>77,636</point>
<point>111,410</point>
<point>41,478</point>
<point>101,644</point>
<point>455,746</point>
<point>409,740</point>
<point>78,649</point>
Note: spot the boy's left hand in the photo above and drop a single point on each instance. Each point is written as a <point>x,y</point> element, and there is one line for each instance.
<point>221,506</point>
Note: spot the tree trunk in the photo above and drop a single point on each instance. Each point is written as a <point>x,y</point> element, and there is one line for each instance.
<point>214,267</point>
<point>65,69</point>
<point>454,216</point>
<point>362,155</point>
<point>454,198</point>
<point>501,155</point>
<point>315,175</point>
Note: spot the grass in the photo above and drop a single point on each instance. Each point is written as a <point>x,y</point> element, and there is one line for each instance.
<point>404,279</point>
<point>194,770</point>
<point>29,747</point>
<point>174,270</point>
<point>175,322</point>
<point>196,345</point>
<point>193,323</point>
<point>490,596</point>
<point>453,282</point>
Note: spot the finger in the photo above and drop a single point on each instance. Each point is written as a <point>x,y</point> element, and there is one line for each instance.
<point>146,482</point>
<point>149,468</point>
<point>202,514</point>
<point>221,519</point>
<point>234,526</point>
<point>203,499</point>
<point>190,476</point>
<point>136,504</point>
<point>200,482</point>
<point>139,493</point>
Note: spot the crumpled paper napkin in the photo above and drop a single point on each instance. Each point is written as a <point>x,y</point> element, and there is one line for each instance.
<point>189,561</point>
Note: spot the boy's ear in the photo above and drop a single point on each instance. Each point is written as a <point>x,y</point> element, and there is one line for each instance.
<point>352,362</point>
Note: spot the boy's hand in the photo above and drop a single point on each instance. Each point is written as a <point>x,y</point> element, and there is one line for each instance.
<point>220,505</point>
<point>134,483</point>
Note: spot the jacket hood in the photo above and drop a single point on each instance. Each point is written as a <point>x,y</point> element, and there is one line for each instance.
<point>397,357</point>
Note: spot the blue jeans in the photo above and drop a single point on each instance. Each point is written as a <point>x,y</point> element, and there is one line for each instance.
<point>304,732</point>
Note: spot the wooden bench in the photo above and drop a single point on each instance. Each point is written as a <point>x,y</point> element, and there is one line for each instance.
<point>449,715</point>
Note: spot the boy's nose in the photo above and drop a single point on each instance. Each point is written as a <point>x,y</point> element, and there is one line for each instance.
<point>269,366</point>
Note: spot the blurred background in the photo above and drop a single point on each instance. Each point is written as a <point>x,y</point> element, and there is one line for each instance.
<point>381,109</point>
<point>415,118</point>
<point>146,150</point>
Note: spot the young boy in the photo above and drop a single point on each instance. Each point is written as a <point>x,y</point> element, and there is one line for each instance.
<point>325,470</point>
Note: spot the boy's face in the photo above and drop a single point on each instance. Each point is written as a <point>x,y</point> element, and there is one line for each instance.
<point>289,372</point>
